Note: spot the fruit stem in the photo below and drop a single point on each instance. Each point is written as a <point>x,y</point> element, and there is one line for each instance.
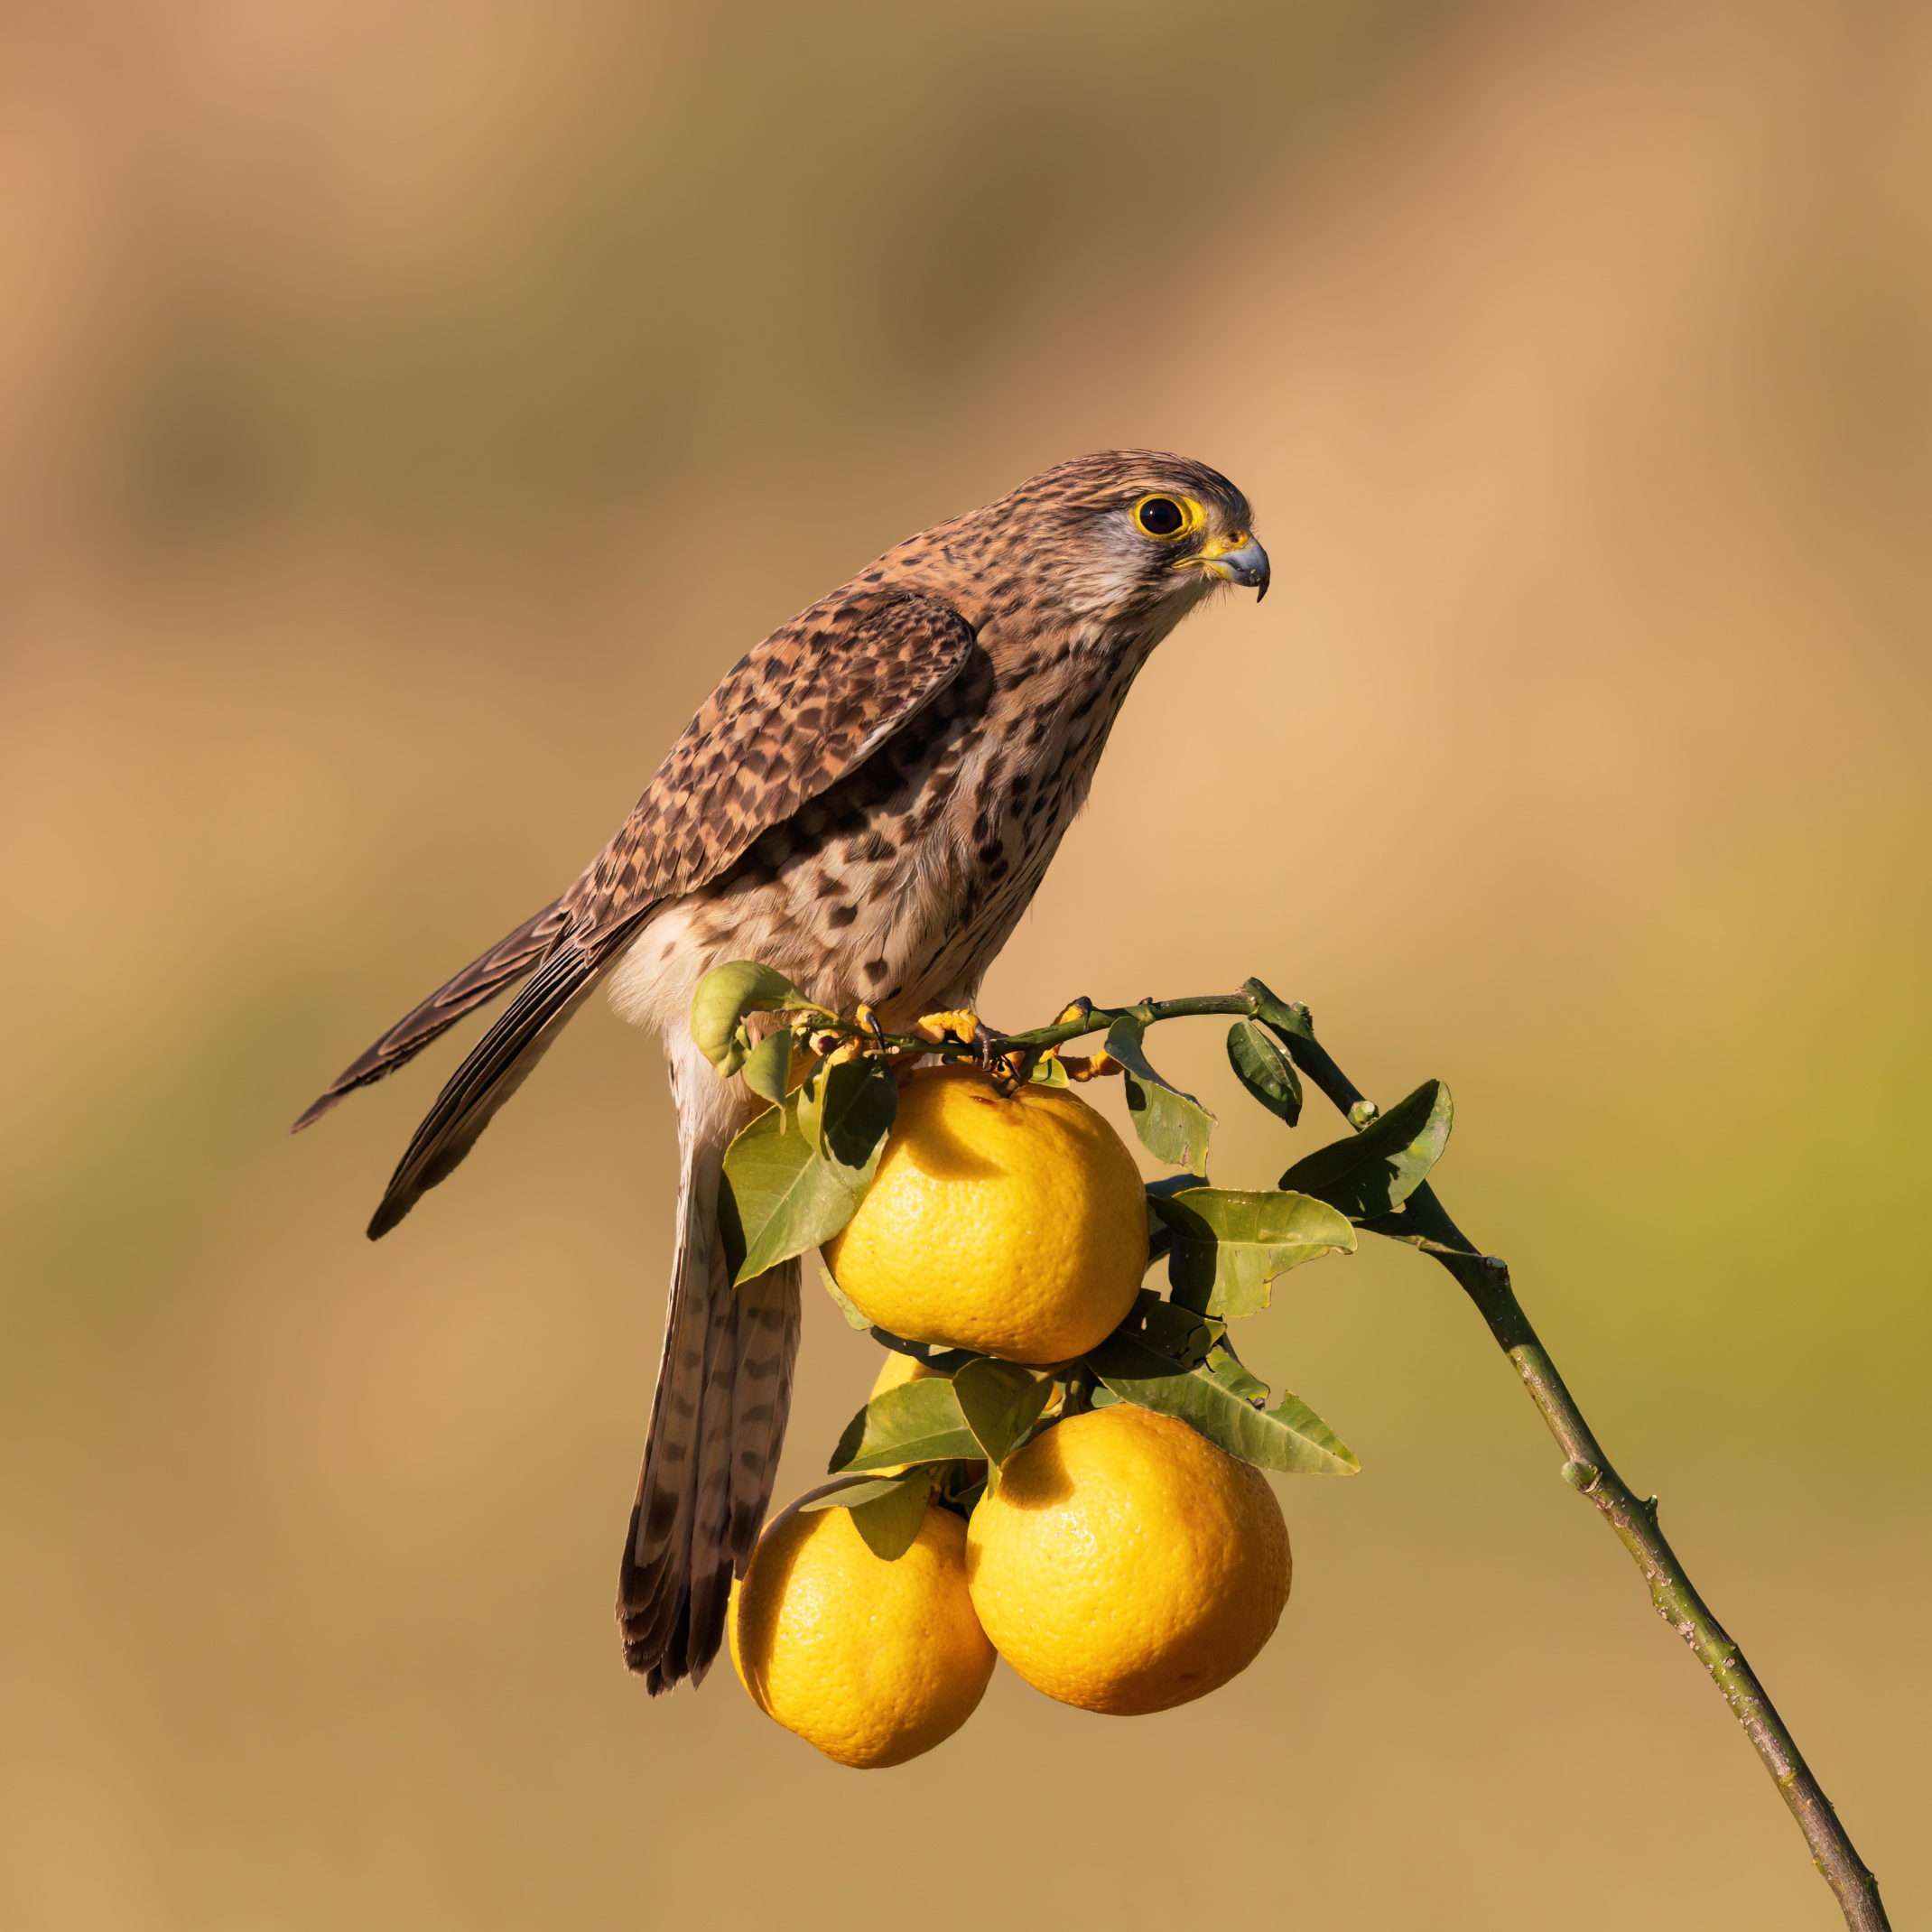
<point>1424,1223</point>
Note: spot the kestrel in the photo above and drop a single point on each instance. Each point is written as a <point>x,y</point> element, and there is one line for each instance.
<point>867,803</point>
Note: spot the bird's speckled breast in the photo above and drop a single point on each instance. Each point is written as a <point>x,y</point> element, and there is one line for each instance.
<point>899,884</point>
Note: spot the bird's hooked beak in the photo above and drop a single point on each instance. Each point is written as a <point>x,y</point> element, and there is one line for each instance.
<point>1235,558</point>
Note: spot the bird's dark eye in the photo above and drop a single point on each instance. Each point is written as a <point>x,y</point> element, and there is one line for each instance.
<point>1160,516</point>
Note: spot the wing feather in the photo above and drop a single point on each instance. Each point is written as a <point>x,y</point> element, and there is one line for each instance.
<point>813,701</point>
<point>809,704</point>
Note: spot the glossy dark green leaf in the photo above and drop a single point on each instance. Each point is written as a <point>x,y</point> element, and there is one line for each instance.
<point>1000,1401</point>
<point>1173,1126</point>
<point>1379,1168</point>
<point>1217,1400</point>
<point>1156,1339</point>
<point>724,995</point>
<point>1267,1071</point>
<point>780,1197</point>
<point>935,1355</point>
<point>1397,1226</point>
<point>855,1102</point>
<point>1160,1236</point>
<point>1229,1244</point>
<point>917,1421</point>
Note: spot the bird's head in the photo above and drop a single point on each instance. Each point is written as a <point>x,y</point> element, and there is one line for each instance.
<point>1119,534</point>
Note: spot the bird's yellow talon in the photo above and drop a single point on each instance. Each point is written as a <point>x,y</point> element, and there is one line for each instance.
<point>1092,1066</point>
<point>959,1026</point>
<point>1081,1008</point>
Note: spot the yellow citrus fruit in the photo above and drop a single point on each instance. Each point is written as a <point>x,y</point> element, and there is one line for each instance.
<point>1013,1226</point>
<point>873,1662</point>
<point>1126,1565</point>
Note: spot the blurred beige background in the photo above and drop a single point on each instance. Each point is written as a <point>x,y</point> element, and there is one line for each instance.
<point>406,412</point>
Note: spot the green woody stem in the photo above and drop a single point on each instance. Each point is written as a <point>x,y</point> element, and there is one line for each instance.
<point>1423,1223</point>
<point>1587,1469</point>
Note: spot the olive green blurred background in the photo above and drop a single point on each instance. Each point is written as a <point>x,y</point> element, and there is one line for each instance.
<point>407,411</point>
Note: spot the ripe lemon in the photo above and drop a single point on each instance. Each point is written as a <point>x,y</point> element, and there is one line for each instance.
<point>872,1662</point>
<point>1015,1227</point>
<point>1126,1565</point>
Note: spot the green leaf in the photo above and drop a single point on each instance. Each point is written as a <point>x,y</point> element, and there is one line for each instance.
<point>864,1489</point>
<point>851,1108</point>
<point>1231,1243</point>
<point>1160,1236</point>
<point>768,1070</point>
<point>1000,1401</point>
<point>780,1197</point>
<point>1156,1339</point>
<point>724,995</point>
<point>1284,1016</point>
<point>1217,1400</point>
<point>1173,1126</point>
<point>1237,1377</point>
<point>891,1523</point>
<point>936,1355</point>
<point>917,1421</point>
<point>1263,1070</point>
<point>1397,1226</point>
<point>886,1512</point>
<point>855,1316</point>
<point>1047,1071</point>
<point>1380,1167</point>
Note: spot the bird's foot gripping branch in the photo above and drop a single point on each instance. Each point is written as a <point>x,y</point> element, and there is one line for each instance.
<point>942,1434</point>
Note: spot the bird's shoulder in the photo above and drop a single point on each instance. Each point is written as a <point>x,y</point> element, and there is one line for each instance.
<point>797,711</point>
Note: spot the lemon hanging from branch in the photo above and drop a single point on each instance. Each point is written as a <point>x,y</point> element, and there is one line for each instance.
<point>1013,1225</point>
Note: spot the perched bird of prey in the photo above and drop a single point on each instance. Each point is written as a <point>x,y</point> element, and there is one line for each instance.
<point>865,803</point>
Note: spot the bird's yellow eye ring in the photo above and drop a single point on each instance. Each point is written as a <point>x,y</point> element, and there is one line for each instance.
<point>1169,519</point>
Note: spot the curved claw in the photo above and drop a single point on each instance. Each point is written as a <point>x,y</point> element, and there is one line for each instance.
<point>991,1051</point>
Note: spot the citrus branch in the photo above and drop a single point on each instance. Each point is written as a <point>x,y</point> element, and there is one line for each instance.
<point>1485,1278</point>
<point>1423,1222</point>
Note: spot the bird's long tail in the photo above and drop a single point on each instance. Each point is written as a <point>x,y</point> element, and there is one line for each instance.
<point>724,1390</point>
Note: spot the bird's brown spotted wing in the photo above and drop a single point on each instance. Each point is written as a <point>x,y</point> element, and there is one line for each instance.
<point>813,701</point>
<point>810,703</point>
